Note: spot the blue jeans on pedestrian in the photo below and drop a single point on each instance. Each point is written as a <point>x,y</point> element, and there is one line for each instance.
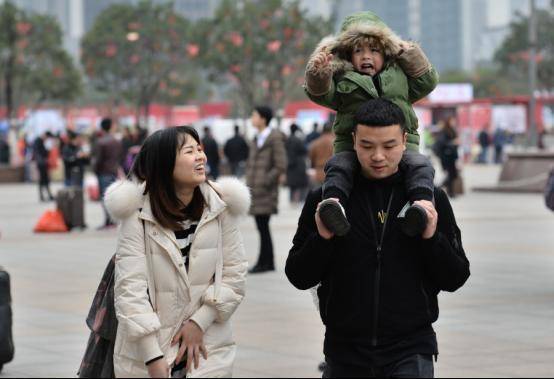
<point>415,366</point>
<point>104,181</point>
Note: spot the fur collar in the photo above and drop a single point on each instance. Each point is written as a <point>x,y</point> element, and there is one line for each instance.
<point>124,197</point>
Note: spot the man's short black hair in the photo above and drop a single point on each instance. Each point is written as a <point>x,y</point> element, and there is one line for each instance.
<point>106,124</point>
<point>379,113</point>
<point>265,112</point>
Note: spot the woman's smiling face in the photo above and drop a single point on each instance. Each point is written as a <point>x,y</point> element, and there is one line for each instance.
<point>190,164</point>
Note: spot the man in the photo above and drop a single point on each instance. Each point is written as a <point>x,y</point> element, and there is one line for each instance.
<point>41,153</point>
<point>484,142</point>
<point>377,287</point>
<point>211,148</point>
<point>321,150</point>
<point>236,151</point>
<point>266,165</point>
<point>314,135</point>
<point>75,160</point>
<point>107,158</point>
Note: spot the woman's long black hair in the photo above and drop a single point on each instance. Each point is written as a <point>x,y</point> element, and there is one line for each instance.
<point>155,164</point>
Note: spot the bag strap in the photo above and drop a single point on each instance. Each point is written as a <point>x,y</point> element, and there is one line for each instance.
<point>219,262</point>
<point>150,270</point>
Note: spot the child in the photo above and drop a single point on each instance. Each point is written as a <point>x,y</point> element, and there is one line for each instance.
<point>367,60</point>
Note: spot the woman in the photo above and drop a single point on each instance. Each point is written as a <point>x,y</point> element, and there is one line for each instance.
<point>180,262</point>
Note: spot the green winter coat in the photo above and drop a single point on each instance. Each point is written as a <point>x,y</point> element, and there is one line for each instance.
<point>406,77</point>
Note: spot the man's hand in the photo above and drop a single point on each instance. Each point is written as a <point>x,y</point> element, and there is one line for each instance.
<point>432,218</point>
<point>321,228</point>
<point>158,369</point>
<point>191,338</point>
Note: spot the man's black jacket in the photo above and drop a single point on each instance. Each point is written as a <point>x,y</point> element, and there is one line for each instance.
<point>375,299</point>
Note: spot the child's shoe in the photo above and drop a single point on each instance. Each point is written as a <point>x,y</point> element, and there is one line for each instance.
<point>332,214</point>
<point>413,220</point>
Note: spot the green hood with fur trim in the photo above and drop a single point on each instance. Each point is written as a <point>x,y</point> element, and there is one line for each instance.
<point>349,89</point>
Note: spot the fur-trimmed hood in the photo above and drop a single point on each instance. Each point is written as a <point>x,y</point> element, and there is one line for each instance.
<point>124,197</point>
<point>356,28</point>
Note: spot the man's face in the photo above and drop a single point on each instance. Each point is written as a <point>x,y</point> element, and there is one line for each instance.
<point>379,149</point>
<point>257,121</point>
<point>367,60</point>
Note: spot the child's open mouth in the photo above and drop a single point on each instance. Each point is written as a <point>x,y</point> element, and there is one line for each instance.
<point>367,66</point>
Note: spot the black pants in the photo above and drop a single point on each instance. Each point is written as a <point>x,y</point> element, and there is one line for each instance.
<point>452,175</point>
<point>416,366</point>
<point>266,243</point>
<point>341,170</point>
<point>44,181</point>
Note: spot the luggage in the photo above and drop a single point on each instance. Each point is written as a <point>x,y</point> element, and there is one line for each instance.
<point>6,340</point>
<point>51,222</point>
<point>71,203</point>
<point>459,187</point>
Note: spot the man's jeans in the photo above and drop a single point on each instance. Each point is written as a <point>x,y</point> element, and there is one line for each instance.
<point>104,181</point>
<point>416,366</point>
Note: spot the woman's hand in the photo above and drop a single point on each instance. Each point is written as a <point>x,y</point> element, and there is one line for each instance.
<point>191,339</point>
<point>158,369</point>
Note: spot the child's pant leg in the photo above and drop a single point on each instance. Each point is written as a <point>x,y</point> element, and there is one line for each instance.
<point>339,176</point>
<point>420,176</point>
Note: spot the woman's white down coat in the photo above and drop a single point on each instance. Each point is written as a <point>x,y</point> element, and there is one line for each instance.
<point>144,333</point>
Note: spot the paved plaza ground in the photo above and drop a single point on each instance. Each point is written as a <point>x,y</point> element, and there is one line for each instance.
<point>500,324</point>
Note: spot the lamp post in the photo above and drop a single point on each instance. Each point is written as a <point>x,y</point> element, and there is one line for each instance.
<point>532,136</point>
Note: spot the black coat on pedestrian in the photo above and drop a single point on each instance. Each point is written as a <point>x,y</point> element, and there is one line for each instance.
<point>236,149</point>
<point>211,149</point>
<point>375,297</point>
<point>297,153</point>
<point>40,153</point>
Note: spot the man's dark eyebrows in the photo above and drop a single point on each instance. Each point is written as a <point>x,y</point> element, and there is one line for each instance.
<point>391,142</point>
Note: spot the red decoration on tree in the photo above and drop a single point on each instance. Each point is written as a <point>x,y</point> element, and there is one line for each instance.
<point>111,50</point>
<point>193,50</point>
<point>274,46</point>
<point>57,72</point>
<point>288,33</point>
<point>23,27</point>
<point>134,59</point>
<point>235,69</point>
<point>264,24</point>
<point>236,39</point>
<point>286,71</point>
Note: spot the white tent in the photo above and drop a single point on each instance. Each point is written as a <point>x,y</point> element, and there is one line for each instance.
<point>42,121</point>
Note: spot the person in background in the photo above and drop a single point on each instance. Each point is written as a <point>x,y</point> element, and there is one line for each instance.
<point>127,142</point>
<point>499,140</point>
<point>211,148</point>
<point>321,150</point>
<point>236,151</point>
<point>40,155</point>
<point>5,150</point>
<point>297,176</point>
<point>75,159</point>
<point>314,135</point>
<point>106,164</point>
<point>267,162</point>
<point>484,142</point>
<point>447,150</point>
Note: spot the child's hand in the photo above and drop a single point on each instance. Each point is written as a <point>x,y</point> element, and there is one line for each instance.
<point>322,60</point>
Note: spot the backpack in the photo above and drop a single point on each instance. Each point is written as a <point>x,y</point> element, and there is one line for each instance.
<point>549,192</point>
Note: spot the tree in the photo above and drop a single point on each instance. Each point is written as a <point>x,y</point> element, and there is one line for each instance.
<point>34,66</point>
<point>140,53</point>
<point>260,47</point>
<point>513,54</point>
